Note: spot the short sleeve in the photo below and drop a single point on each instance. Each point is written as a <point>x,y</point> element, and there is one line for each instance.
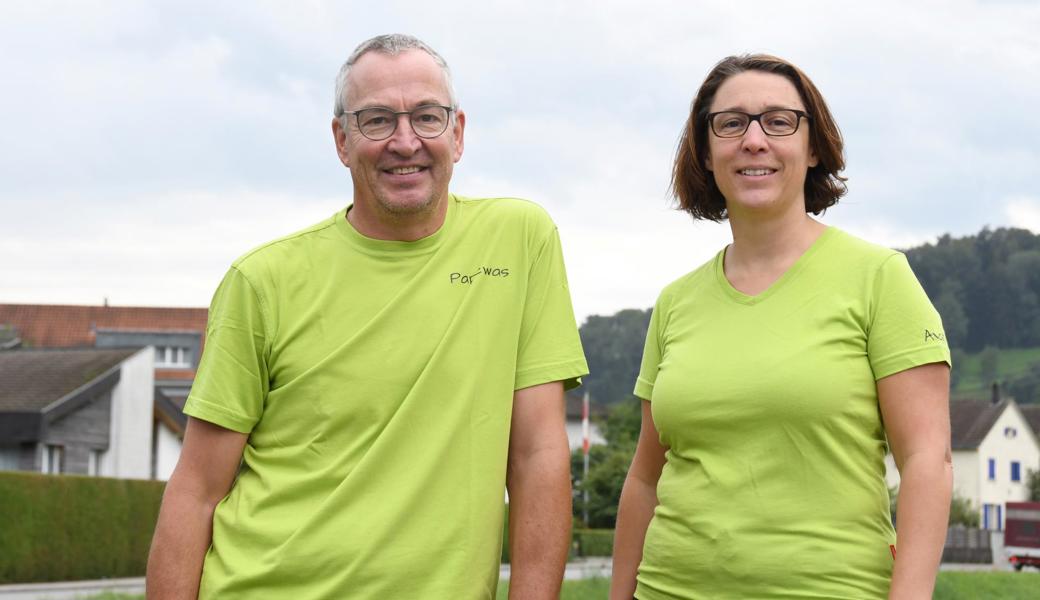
<point>652,352</point>
<point>905,330</point>
<point>232,380</point>
<point>549,346</point>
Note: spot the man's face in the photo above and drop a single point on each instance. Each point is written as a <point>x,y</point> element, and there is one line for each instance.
<point>404,175</point>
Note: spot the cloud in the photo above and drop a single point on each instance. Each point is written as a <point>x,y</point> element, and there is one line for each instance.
<point>150,143</point>
<point>1024,212</point>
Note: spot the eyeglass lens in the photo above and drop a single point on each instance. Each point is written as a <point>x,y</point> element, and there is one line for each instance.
<point>774,122</point>
<point>380,123</point>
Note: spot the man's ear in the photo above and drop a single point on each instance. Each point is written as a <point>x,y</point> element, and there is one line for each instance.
<point>339,136</point>
<point>459,130</point>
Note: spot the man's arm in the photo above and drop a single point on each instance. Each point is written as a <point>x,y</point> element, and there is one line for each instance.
<point>539,481</point>
<point>636,507</point>
<point>205,471</point>
<point>915,409</point>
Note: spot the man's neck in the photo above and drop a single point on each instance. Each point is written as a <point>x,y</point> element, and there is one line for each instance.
<point>405,227</point>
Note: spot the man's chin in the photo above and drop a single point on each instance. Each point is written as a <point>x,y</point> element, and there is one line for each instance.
<point>404,206</point>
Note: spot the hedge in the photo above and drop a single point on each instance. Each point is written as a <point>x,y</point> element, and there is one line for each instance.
<point>584,542</point>
<point>594,542</point>
<point>68,527</point>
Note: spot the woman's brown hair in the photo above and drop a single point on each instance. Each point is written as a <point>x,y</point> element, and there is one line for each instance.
<point>693,185</point>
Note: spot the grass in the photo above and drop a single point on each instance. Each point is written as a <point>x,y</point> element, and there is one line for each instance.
<point>951,585</point>
<point>962,585</point>
<point>579,589</point>
<point>1012,363</point>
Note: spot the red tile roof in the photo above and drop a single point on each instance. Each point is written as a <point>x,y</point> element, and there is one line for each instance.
<point>63,326</point>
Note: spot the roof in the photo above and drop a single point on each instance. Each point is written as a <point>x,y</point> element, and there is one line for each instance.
<point>1032,414</point>
<point>971,420</point>
<point>32,380</point>
<point>63,326</point>
<point>169,411</point>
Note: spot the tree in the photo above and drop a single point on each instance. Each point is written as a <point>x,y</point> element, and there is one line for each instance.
<point>614,348</point>
<point>957,355</point>
<point>1026,387</point>
<point>955,321</point>
<point>1033,485</point>
<point>989,365</point>
<point>962,512</point>
<point>608,465</point>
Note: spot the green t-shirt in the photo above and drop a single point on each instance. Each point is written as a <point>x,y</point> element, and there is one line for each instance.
<point>375,380</point>
<point>773,485</point>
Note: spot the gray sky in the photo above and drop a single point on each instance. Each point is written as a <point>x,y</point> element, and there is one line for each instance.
<point>146,145</point>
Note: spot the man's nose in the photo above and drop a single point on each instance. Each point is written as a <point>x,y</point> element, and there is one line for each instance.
<point>404,141</point>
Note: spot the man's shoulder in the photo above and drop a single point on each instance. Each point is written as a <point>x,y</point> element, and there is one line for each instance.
<point>508,212</point>
<point>286,248</point>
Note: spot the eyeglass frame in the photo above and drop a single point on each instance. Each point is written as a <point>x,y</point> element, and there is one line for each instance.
<point>397,120</point>
<point>758,118</point>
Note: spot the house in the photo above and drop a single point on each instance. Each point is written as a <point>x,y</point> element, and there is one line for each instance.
<point>83,410</point>
<point>994,447</point>
<point>176,334</point>
<point>1032,414</point>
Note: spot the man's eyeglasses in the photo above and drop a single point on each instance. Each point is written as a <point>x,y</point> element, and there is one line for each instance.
<point>777,123</point>
<point>377,124</point>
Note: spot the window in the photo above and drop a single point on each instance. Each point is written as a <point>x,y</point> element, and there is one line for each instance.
<point>992,464</point>
<point>1016,471</point>
<point>94,463</point>
<point>53,460</point>
<point>9,458</point>
<point>173,357</point>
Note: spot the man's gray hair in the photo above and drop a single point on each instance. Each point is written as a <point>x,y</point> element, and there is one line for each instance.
<point>391,44</point>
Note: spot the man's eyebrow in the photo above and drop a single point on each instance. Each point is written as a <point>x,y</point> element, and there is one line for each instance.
<point>426,102</point>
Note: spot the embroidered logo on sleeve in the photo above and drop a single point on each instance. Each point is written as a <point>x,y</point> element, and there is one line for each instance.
<point>933,337</point>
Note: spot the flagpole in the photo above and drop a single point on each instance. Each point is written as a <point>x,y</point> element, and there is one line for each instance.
<point>585,452</point>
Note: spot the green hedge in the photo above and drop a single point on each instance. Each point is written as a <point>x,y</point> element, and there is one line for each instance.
<point>594,542</point>
<point>67,527</point>
<point>584,542</point>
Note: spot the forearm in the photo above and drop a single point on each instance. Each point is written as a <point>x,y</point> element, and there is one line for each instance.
<point>922,515</point>
<point>539,523</point>
<point>635,509</point>
<point>182,537</point>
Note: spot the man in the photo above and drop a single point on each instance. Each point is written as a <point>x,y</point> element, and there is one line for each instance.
<point>380,377</point>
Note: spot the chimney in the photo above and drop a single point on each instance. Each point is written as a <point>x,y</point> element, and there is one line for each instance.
<point>995,393</point>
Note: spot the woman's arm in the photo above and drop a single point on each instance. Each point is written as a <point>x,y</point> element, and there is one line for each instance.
<point>638,500</point>
<point>916,411</point>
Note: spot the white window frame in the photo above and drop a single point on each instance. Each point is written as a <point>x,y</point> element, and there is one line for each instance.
<point>52,459</point>
<point>173,357</point>
<point>94,463</point>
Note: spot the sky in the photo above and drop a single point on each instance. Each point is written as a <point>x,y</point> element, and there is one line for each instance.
<point>146,145</point>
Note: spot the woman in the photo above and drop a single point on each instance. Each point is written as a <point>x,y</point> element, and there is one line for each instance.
<point>773,373</point>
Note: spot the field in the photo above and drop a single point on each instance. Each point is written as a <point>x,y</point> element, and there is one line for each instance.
<point>1011,363</point>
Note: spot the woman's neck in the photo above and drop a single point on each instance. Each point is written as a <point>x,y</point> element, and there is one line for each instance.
<point>764,249</point>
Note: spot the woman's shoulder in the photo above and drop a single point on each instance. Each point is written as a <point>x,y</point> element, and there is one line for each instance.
<point>689,283</point>
<point>843,241</point>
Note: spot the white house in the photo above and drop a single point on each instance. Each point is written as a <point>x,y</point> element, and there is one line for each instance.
<point>86,411</point>
<point>994,448</point>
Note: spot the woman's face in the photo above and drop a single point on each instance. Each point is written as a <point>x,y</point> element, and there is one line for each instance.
<point>759,174</point>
